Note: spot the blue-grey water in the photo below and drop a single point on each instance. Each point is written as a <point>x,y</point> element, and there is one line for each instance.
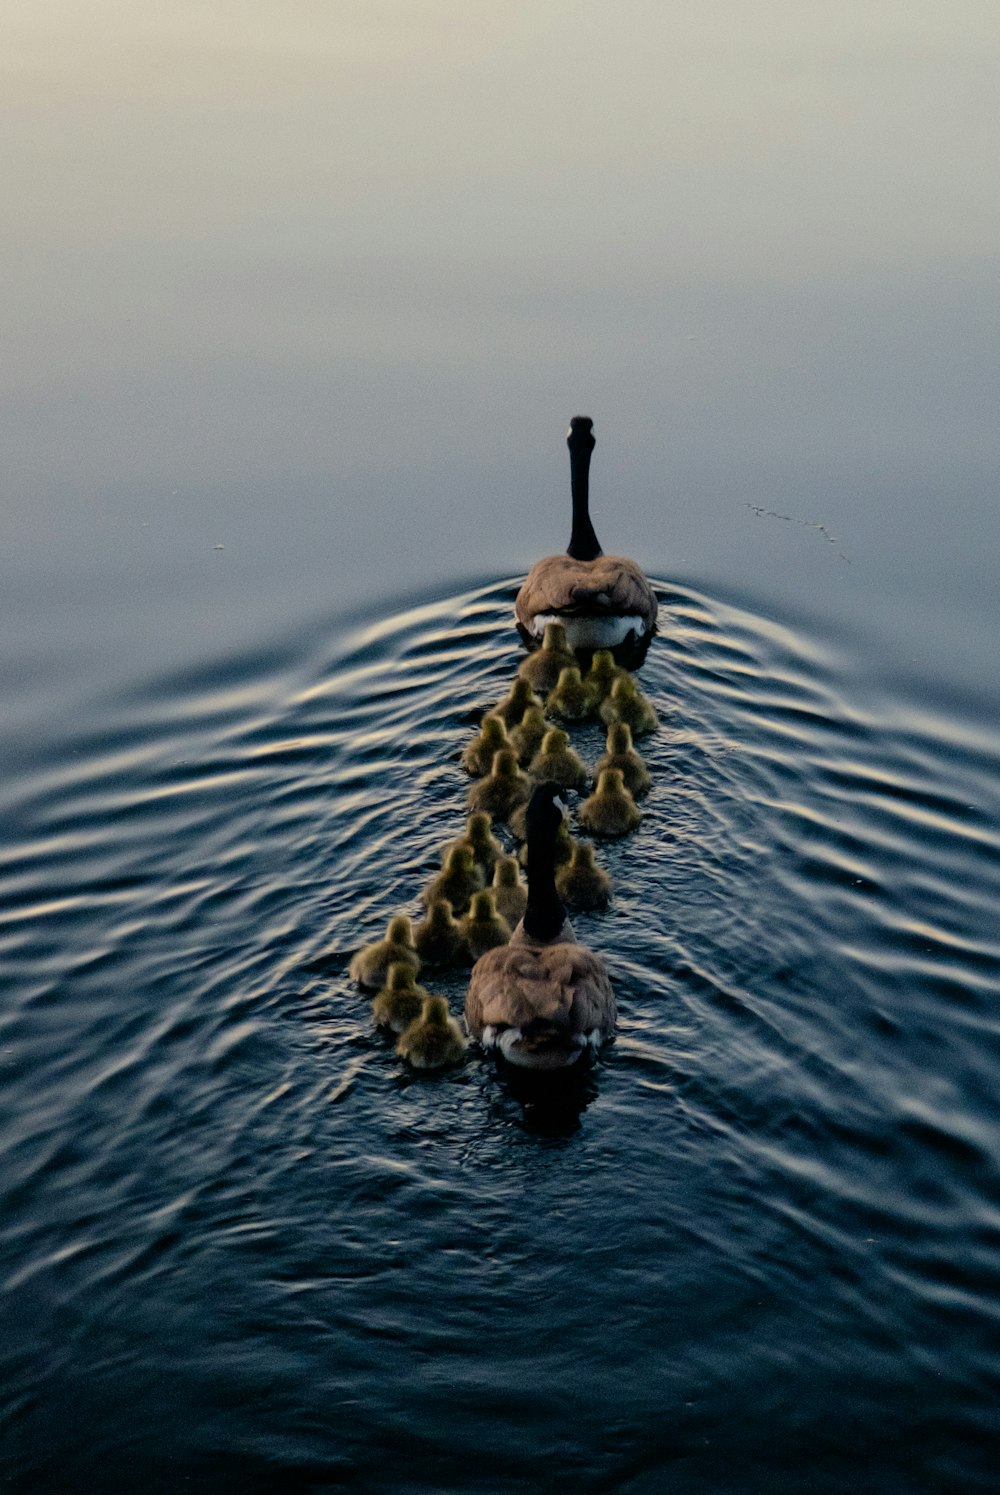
<point>298,300</point>
<point>244,1249</point>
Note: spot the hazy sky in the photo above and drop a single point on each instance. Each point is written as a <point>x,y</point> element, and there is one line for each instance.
<point>325,282</point>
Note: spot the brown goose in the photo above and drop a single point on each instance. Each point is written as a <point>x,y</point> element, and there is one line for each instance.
<point>543,1000</point>
<point>602,601</point>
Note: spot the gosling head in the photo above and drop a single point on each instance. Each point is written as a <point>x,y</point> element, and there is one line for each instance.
<point>479,827</point>
<point>620,738</point>
<point>400,976</point>
<point>555,741</point>
<point>569,675</point>
<point>624,689</point>
<point>400,931</point>
<point>494,733</point>
<point>482,907</point>
<point>583,856</point>
<point>505,873</point>
<point>460,859</point>
<point>612,781</point>
<point>554,638</point>
<point>440,915</point>
<point>505,764</point>
<point>521,693</point>
<point>435,1013</point>
<point>603,662</point>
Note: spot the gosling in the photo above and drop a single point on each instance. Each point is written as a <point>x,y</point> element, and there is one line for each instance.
<point>515,703</point>
<point>526,737</point>
<point>504,788</point>
<point>458,879</point>
<point>370,966</point>
<point>481,841</point>
<point>483,928</point>
<point>626,703</point>
<point>621,754</point>
<point>602,674</point>
<point>434,1040</point>
<point>556,761</point>
<point>400,1001</point>
<point>510,894</point>
<point>438,938</point>
<point>580,882</point>
<point>610,810</point>
<point>541,669</point>
<point>570,698</point>
<point>478,756</point>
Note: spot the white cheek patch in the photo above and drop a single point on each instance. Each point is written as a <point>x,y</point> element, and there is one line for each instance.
<point>594,1038</point>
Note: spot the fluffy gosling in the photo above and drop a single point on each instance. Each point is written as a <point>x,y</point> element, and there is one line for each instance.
<point>570,698</point>
<point>556,760</point>
<point>541,669</point>
<point>458,879</point>
<point>610,810</point>
<point>400,1001</point>
<point>626,703</point>
<point>370,966</point>
<point>434,1040</point>
<point>602,674</point>
<point>510,894</point>
<point>526,737</point>
<point>483,928</point>
<point>504,788</point>
<point>621,754</point>
<point>515,703</point>
<point>438,938</point>
<point>478,756</point>
<point>480,839</point>
<point>580,882</point>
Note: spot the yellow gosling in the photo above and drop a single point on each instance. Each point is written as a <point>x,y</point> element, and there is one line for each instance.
<point>621,754</point>
<point>580,882</point>
<point>510,894</point>
<point>483,928</point>
<point>556,760</point>
<point>438,938</point>
<point>626,703</point>
<point>541,669</point>
<point>602,674</point>
<point>370,966</point>
<point>434,1040</point>
<point>481,841</point>
<point>526,737</point>
<point>478,756</point>
<point>570,698</point>
<point>610,810</point>
<point>504,788</point>
<point>515,703</point>
<point>400,1001</point>
<point>458,879</point>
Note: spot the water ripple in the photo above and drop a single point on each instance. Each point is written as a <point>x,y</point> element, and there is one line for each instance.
<point>228,1204</point>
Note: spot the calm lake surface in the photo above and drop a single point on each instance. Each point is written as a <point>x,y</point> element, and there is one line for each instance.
<point>298,308</point>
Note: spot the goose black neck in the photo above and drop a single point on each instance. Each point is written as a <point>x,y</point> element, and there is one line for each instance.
<point>583,543</point>
<point>544,915</point>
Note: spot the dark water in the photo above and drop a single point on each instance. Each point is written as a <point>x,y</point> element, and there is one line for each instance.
<point>244,1249</point>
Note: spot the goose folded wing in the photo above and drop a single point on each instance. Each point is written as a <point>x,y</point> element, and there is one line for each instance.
<point>513,986</point>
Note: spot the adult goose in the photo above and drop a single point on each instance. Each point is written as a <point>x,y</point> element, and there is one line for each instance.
<point>542,1000</point>
<point>602,601</point>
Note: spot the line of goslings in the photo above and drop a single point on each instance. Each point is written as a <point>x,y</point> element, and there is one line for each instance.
<point>474,901</point>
